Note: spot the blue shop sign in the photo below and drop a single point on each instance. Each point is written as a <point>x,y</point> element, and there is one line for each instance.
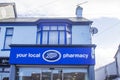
<point>58,55</point>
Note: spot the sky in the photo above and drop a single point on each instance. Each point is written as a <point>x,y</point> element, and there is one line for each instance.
<point>104,13</point>
<point>107,39</point>
<point>65,8</point>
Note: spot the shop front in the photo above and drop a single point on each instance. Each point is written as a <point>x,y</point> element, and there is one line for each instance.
<point>39,73</point>
<point>4,68</point>
<point>58,62</point>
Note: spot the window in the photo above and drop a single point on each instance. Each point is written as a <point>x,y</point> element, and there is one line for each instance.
<point>4,61</point>
<point>4,73</point>
<point>54,34</point>
<point>31,73</point>
<point>8,38</point>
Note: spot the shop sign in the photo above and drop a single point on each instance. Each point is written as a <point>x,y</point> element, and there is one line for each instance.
<point>52,55</point>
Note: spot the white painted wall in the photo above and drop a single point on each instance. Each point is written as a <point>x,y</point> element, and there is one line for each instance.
<point>2,37</point>
<point>21,35</point>
<point>100,74</point>
<point>111,69</point>
<point>81,34</point>
<point>24,35</point>
<point>27,35</point>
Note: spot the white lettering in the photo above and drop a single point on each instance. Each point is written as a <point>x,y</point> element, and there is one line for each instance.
<point>75,55</point>
<point>33,55</point>
<point>21,55</point>
<point>29,55</point>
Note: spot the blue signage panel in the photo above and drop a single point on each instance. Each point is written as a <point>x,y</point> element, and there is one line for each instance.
<point>52,55</point>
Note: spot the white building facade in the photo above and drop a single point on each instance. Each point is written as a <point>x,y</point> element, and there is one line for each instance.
<point>46,49</point>
<point>110,71</point>
<point>107,72</point>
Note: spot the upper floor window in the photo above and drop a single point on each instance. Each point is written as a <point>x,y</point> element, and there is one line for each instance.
<point>8,38</point>
<point>54,34</point>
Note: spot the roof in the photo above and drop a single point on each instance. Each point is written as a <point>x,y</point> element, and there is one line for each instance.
<point>19,20</point>
<point>36,20</point>
<point>105,66</point>
<point>6,4</point>
<point>79,19</point>
<point>34,45</point>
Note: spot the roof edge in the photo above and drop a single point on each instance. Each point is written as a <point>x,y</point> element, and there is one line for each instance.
<point>117,51</point>
<point>37,45</point>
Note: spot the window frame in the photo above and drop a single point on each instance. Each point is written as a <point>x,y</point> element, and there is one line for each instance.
<point>6,36</point>
<point>48,30</point>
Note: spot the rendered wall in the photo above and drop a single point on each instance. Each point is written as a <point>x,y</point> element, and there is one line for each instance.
<point>27,35</point>
<point>111,69</point>
<point>81,34</point>
<point>21,35</point>
<point>100,74</point>
<point>105,71</point>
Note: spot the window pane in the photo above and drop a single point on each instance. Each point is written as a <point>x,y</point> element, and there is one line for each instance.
<point>4,76</point>
<point>9,31</point>
<point>53,27</point>
<point>55,34</point>
<point>68,38</point>
<point>75,74</point>
<point>38,38</point>
<point>46,75</point>
<point>1,68</point>
<point>29,74</point>
<point>45,37</point>
<point>53,37</point>
<point>62,37</point>
<point>7,69</point>
<point>38,29</point>
<point>8,42</point>
<point>46,28</point>
<point>61,27</point>
<point>68,28</point>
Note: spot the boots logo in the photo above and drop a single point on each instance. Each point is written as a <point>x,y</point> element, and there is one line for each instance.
<point>51,55</point>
